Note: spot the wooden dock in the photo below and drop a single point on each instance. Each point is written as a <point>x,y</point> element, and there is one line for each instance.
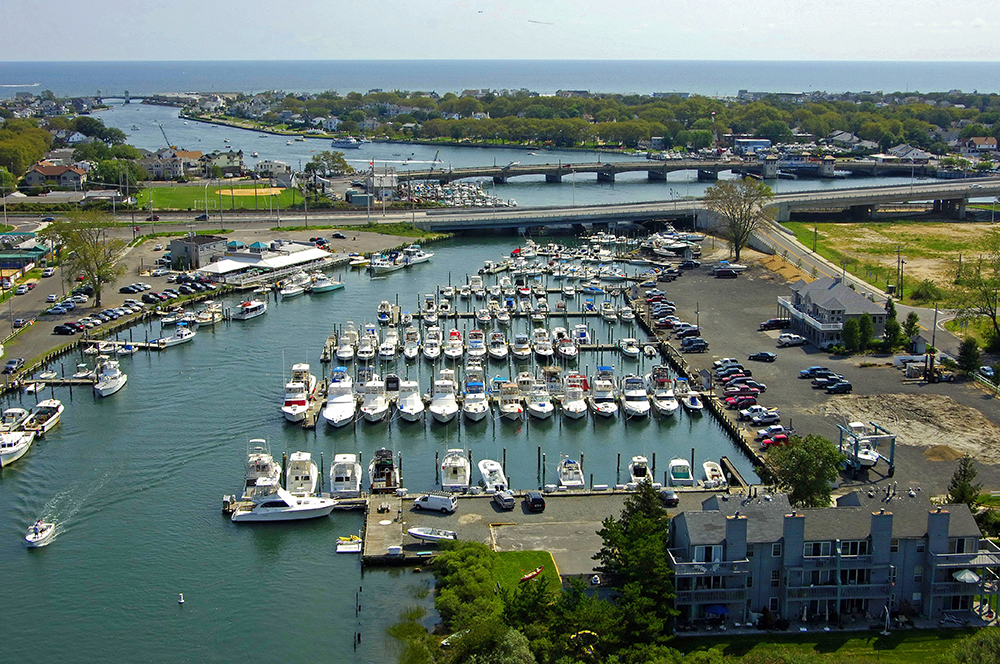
<point>316,403</point>
<point>383,536</point>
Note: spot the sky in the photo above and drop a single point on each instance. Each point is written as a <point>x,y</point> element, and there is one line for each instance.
<point>127,30</point>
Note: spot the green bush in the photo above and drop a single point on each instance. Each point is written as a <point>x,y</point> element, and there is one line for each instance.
<point>927,291</point>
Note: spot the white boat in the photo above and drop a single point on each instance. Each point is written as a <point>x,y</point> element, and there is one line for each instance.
<point>367,347</point>
<point>475,404</point>
<point>476,344</point>
<point>453,347</point>
<point>603,393</point>
<point>374,403</point>
<point>414,255</point>
<point>181,335</point>
<point>348,143</point>
<point>444,406</point>
<point>358,260</point>
<point>260,464</point>
<point>269,502</point>
<point>324,284</point>
<point>456,471</point>
<point>411,343</point>
<point>383,474</point>
<point>298,390</point>
<point>465,291</point>
<point>340,399</point>
<point>346,343</point>
<point>384,312</point>
<point>432,343</point>
<point>494,478</point>
<point>629,347</point>
<point>521,350</point>
<point>660,384</point>
<point>386,264</point>
<point>608,312</point>
<point>538,403</point>
<point>44,416</point>
<point>497,347</point>
<point>390,343</point>
<point>503,317</point>
<point>679,472</point>
<point>428,534</point>
<point>634,400</point>
<point>209,315</point>
<point>103,347</point>
<point>409,403</point>
<point>14,445</point>
<point>570,474</point>
<point>568,291</point>
<point>638,470</point>
<point>301,475</point>
<point>574,402</point>
<point>345,476</point>
<point>692,402</point>
<point>249,309</point>
<point>110,377</point>
<point>511,403</point>
<point>542,344</point>
<point>714,477</point>
<point>39,534</point>
<point>626,315</point>
<point>290,290</point>
<point>566,349</point>
<point>581,334</point>
<point>13,419</point>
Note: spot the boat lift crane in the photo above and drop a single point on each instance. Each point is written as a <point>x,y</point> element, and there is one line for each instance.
<point>162,131</point>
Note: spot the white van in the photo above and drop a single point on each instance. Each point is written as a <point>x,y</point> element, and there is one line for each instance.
<point>442,502</point>
<point>788,339</point>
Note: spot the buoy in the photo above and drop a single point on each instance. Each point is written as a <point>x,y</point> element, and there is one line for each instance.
<point>180,598</point>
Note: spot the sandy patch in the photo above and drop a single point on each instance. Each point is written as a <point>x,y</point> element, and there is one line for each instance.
<point>942,425</point>
<point>260,191</point>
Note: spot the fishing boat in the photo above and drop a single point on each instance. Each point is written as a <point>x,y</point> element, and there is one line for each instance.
<point>475,404</point>
<point>12,419</point>
<point>44,416</point>
<point>414,255</point>
<point>634,401</point>
<point>571,474</point>
<point>14,445</point>
<point>367,347</point>
<point>497,348</point>
<point>110,377</point>
<point>538,403</point>
<point>493,477</point>
<point>409,403</point>
<point>324,284</point>
<point>714,477</point>
<point>638,470</point>
<point>345,476</point>
<point>629,347</point>
<point>209,315</point>
<point>374,403</point>
<point>182,335</point>
<point>476,344</point>
<point>249,309</point>
<point>386,264</point>
<point>346,343</point>
<point>574,403</point>
<point>432,343</point>
<point>661,384</point>
<point>260,463</point>
<point>390,342</point>
<point>521,350</point>
<point>427,534</point>
<point>411,343</point>
<point>291,289</point>
<point>626,315</point>
<point>298,390</point>
<point>542,344</point>
<point>581,334</point>
<point>692,402</point>
<point>269,502</point>
<point>383,475</point>
<point>503,317</point>
<point>301,475</point>
<point>603,393</point>
<point>566,349</point>
<point>340,399</point>
<point>444,406</point>
<point>384,312</point>
<point>453,347</point>
<point>39,534</point>
<point>511,404</point>
<point>456,470</point>
<point>608,312</point>
<point>679,472</point>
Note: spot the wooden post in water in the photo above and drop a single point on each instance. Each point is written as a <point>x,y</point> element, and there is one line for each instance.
<point>653,469</point>
<point>692,462</point>
<point>399,464</point>
<point>436,463</point>
<point>618,469</point>
<point>543,469</point>
<point>504,463</point>
<point>665,482</point>
<point>539,463</point>
<point>321,472</point>
<point>284,463</point>
<point>581,462</point>
<point>591,481</point>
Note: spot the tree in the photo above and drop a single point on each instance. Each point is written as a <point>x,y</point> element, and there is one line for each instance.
<point>969,355</point>
<point>963,487</point>
<point>849,335</point>
<point>805,468</point>
<point>912,325</point>
<point>890,309</point>
<point>741,204</point>
<point>330,163</point>
<point>865,331</point>
<point>87,249</point>
<point>893,331</point>
<point>979,283</point>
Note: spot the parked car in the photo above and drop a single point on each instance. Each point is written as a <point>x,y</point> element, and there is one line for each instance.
<point>202,217</point>
<point>726,273</point>
<point>63,329</point>
<point>158,247</point>
<point>740,402</point>
<point>791,340</point>
<point>811,371</point>
<point>699,346</point>
<point>749,382</point>
<point>986,372</point>
<point>773,430</point>
<point>752,412</point>
<point>21,290</point>
<point>504,500</point>
<point>725,362</point>
<point>48,272</point>
<point>774,324</point>
<point>444,503</point>
<point>534,501</point>
<point>153,217</point>
<point>669,498</point>
<point>51,297</point>
<point>775,441</point>
<point>840,387</point>
<point>770,417</point>
<point>689,265</point>
<point>338,235</point>
<point>689,332</point>
<point>13,365</point>
<point>763,356</point>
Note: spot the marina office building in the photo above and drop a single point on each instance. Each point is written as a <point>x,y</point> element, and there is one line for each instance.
<point>819,309</point>
<point>734,558</point>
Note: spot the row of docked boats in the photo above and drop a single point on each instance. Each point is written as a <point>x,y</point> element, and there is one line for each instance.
<point>302,282</point>
<point>397,260</point>
<point>20,427</point>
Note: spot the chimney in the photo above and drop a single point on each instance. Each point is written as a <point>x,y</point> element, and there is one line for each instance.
<point>881,532</point>
<point>937,531</point>
<point>736,537</point>
<point>794,532</point>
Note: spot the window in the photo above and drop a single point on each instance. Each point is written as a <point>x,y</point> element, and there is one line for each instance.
<point>749,580</point>
<point>894,546</point>
<point>775,578</point>
<point>749,550</point>
<point>772,604</point>
<point>854,548</point>
<point>918,573</point>
<point>776,550</point>
<point>816,549</point>
<point>962,545</point>
<point>920,546</point>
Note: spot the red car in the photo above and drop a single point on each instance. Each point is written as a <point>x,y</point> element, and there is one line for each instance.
<point>733,378</point>
<point>739,403</point>
<point>740,391</point>
<point>780,439</point>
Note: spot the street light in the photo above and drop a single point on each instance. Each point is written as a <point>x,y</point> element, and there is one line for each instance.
<point>207,182</point>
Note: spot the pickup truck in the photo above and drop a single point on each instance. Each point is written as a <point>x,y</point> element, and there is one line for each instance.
<point>774,430</point>
<point>785,340</point>
<point>770,417</point>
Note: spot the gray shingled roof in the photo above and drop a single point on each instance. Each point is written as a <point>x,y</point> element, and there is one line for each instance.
<point>830,293</point>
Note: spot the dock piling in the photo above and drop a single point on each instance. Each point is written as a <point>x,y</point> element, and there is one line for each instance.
<point>654,463</point>
<point>618,469</point>
<point>543,469</point>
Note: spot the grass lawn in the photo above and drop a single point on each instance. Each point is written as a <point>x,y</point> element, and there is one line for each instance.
<point>510,566</point>
<point>978,329</point>
<point>234,196</point>
<point>902,647</point>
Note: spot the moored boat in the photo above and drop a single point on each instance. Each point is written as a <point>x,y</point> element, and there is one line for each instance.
<point>714,477</point>
<point>409,403</point>
<point>44,416</point>
<point>110,377</point>
<point>679,472</point>
<point>638,470</point>
<point>301,475</point>
<point>383,475</point>
<point>571,474</point>
<point>249,309</point>
<point>444,406</point>
<point>493,477</point>
<point>340,399</point>
<point>298,391</point>
<point>14,445</point>
<point>269,502</point>
<point>456,470</point>
<point>345,476</point>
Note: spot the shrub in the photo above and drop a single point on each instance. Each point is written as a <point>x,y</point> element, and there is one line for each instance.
<point>927,291</point>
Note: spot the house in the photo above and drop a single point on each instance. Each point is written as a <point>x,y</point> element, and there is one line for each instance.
<point>331,123</point>
<point>69,177</point>
<point>979,146</point>
<point>194,251</point>
<point>163,168</point>
<point>910,154</point>
<point>819,309</point>
<point>267,167</point>
<point>230,162</point>
<point>874,549</point>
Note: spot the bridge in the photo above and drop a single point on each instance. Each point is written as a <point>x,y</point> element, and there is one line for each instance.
<point>708,169</point>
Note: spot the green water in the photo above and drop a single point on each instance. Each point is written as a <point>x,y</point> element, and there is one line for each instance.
<point>135,483</point>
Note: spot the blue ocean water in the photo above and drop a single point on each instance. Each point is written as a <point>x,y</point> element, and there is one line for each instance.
<point>543,76</point>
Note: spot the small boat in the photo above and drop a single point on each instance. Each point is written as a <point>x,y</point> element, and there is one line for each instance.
<point>532,574</point>
<point>574,403</point>
<point>12,419</point>
<point>456,470</point>
<point>427,534</point>
<point>650,351</point>
<point>298,391</point>
<point>409,403</point>
<point>345,476</point>
<point>521,350</point>
<point>542,344</point>
<point>359,261</point>
<point>608,312</point>
<point>83,372</point>
<point>638,470</point>
<point>511,404</point>
<point>367,348</point>
<point>181,335</point>
<point>570,474</point>
<point>494,478</point>
<point>44,416</point>
<point>634,400</point>
<point>390,343</point>
<point>581,334</point>
<point>110,377</point>
<point>414,255</point>
<point>384,312</point>
<point>661,384</point>
<point>269,502</point>
<point>497,347</point>
<point>249,309</point>
<point>104,347</point>
<point>626,315</point>
<point>629,347</point>
<point>679,472</point>
<point>125,350</point>
<point>291,290</point>
<point>411,343</point>
<point>47,375</point>
<point>603,393</point>
<point>301,475</point>
<point>341,402</point>
<point>692,403</point>
<point>432,343</point>
<point>444,406</point>
<point>538,403</point>
<point>324,284</point>
<point>714,477</point>
<point>374,403</point>
<point>39,534</point>
<point>14,445</point>
<point>383,475</point>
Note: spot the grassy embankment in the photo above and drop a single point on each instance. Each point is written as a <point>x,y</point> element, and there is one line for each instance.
<point>229,196</point>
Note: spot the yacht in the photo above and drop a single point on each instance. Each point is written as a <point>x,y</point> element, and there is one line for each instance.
<point>411,343</point>
<point>603,393</point>
<point>608,312</point>
<point>475,405</point>
<point>414,255</point>
<point>538,403</point>
<point>566,349</point>
<point>110,378</point>
<point>345,476</point>
<point>714,477</point>
<point>14,445</point>
<point>511,404</point>
<point>366,348</point>
<point>384,312</point>
<point>629,347</point>
<point>374,403</point>
<point>453,347</point>
<point>635,403</point>
<point>298,390</point>
<point>497,347</point>
<point>346,343</point>
<point>542,344</point>
<point>390,342</point>
<point>626,315</point>
<point>638,470</point>
<point>301,475</point>
<point>443,406</point>
<point>574,403</point>
<point>521,350</point>
<point>340,399</point>
<point>347,143</point>
<point>476,344</point>
<point>432,344</point>
<point>571,474</point>
<point>410,404</point>
<point>209,315</point>
<point>324,284</point>
<point>383,474</point>
<point>181,335</point>
<point>269,502</point>
<point>13,419</point>
<point>249,309</point>
<point>260,464</point>
<point>661,386</point>
<point>493,476</point>
<point>44,416</point>
<point>679,472</point>
<point>456,471</point>
<point>380,265</point>
<point>581,334</point>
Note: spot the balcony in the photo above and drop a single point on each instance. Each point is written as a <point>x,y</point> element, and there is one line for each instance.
<point>987,556</point>
<point>716,596</point>
<point>830,562</point>
<point>684,568</point>
<point>955,588</point>
<point>815,323</point>
<point>863,591</point>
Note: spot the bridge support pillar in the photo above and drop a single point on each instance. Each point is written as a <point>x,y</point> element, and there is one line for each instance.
<point>826,167</point>
<point>937,206</point>
<point>553,177</point>
<point>862,211</point>
<point>769,171</point>
<point>784,213</point>
<point>658,176</point>
<point>960,208</point>
<point>606,176</point>
<point>707,176</point>
<point>499,180</point>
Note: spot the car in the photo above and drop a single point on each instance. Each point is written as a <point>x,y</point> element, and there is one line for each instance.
<point>775,441</point>
<point>770,417</point>
<point>159,272</point>
<point>31,285</point>
<point>51,297</point>
<point>20,322</point>
<point>647,284</point>
<point>81,277</point>
<point>655,291</point>
<point>751,412</point>
<point>734,379</point>
<point>700,346</point>
<point>158,247</point>
<point>785,340</point>
<point>80,299</point>
<point>726,273</point>
<point>48,218</point>
<point>669,497</point>
<point>187,290</point>
<point>153,217</point>
<point>725,362</point>
<point>504,500</point>
<point>774,324</point>
<point>337,235</point>
<point>87,322</point>
<point>63,329</point>
<point>440,502</point>
<point>21,290</point>
<point>773,430</point>
<point>68,305</point>
<point>733,370</point>
<point>691,341</point>
<point>48,272</point>
<point>739,402</point>
<point>986,372</point>
<point>749,382</point>
<point>763,356</point>
<point>654,298</point>
<point>663,324</point>
<point>809,372</point>
<point>202,217</point>
<point>128,290</point>
<point>55,311</point>
<point>840,387</point>
<point>689,264</point>
<point>13,365</point>
<point>534,501</point>
<point>740,391</point>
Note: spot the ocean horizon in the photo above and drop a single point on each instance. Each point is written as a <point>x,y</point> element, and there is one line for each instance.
<point>702,77</point>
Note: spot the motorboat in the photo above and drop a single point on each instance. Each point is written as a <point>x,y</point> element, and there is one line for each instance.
<point>260,464</point>
<point>634,401</point>
<point>714,477</point>
<point>291,289</point>
<point>44,416</point>
<point>566,349</point>
<point>374,403</point>
<point>568,291</point>
<point>629,347</point>
<point>384,312</point>
<point>321,283</point>
<point>465,291</point>
<point>581,334</point>
<point>269,502</point>
<point>249,309</point>
<point>493,477</point>
<point>380,265</point>
<point>638,470</point>
<point>603,393</point>
<point>182,335</point>
<point>692,402</point>
<point>511,403</point>
<point>383,475</point>
<point>301,475</point>
<point>298,390</point>
<point>346,343</point>
<point>571,474</point>
<point>429,311</point>
<point>428,534</point>
<point>414,255</point>
<point>538,403</point>
<point>475,404</point>
<point>13,419</point>
<point>497,348</point>
<point>521,350</point>
<point>14,445</point>
<point>477,286</point>
<point>503,317</point>
<point>345,476</point>
<point>542,344</point>
<point>476,344</point>
<point>103,347</point>
<point>390,342</point>
<point>209,315</point>
<point>574,403</point>
<point>661,384</point>
<point>39,534</point>
<point>456,471</point>
<point>453,347</point>
<point>446,291</point>
<point>409,403</point>
<point>679,472</point>
<point>444,406</point>
<point>411,343</point>
<point>110,377</point>
<point>608,311</point>
<point>367,345</point>
<point>340,399</point>
<point>626,315</point>
<point>432,343</point>
<point>357,260</point>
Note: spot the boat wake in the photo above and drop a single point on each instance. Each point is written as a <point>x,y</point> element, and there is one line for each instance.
<point>20,85</point>
<point>64,506</point>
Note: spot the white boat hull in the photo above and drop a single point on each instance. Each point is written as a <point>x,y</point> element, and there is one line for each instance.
<point>338,416</point>
<point>476,412</point>
<point>322,507</point>
<point>512,413</point>
<point>444,414</point>
<point>540,410</point>
<point>109,387</point>
<point>411,414</point>
<point>294,413</point>
<point>375,413</point>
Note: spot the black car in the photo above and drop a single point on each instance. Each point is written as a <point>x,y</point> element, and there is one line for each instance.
<point>128,290</point>
<point>337,235</point>
<point>534,501</point>
<point>150,298</point>
<point>689,332</point>
<point>201,217</point>
<point>669,497</point>
<point>689,265</point>
<point>699,346</point>
<point>763,356</point>
<point>726,273</point>
<point>840,387</point>
<point>186,290</point>
<point>63,329</point>
<point>774,324</point>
